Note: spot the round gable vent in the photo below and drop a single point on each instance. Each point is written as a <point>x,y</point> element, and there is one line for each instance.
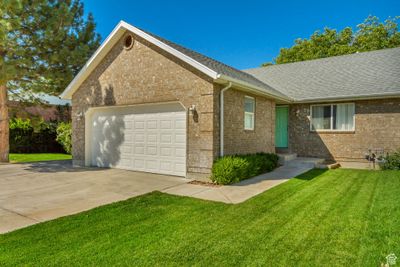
<point>128,42</point>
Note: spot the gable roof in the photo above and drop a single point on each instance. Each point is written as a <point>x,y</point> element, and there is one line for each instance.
<point>361,75</point>
<point>219,72</point>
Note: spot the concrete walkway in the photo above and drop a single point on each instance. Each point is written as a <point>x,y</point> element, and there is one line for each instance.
<point>246,189</point>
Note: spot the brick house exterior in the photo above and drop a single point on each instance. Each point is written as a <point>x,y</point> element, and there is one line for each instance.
<point>377,127</point>
<point>135,68</point>
<point>154,76</point>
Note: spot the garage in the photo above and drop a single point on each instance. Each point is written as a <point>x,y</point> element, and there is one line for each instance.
<point>148,138</point>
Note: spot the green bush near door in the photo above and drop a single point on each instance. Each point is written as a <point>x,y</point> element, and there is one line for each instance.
<point>232,169</point>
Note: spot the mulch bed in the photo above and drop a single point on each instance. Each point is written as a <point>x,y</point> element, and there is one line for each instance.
<point>204,183</point>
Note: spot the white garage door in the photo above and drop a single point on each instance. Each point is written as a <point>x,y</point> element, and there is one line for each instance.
<point>144,138</point>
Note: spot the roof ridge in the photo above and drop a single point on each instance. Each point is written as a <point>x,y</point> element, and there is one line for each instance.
<point>190,52</point>
<point>324,58</point>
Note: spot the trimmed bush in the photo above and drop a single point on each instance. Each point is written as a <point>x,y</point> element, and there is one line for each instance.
<point>64,136</point>
<point>27,136</point>
<point>232,169</point>
<point>392,161</point>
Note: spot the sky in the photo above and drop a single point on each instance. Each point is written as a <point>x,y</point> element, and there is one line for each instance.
<point>243,34</point>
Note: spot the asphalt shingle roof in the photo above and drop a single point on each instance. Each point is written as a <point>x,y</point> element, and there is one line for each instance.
<point>219,67</point>
<point>355,75</point>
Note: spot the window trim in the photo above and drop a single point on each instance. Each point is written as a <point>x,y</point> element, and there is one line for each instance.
<point>246,112</point>
<point>331,124</point>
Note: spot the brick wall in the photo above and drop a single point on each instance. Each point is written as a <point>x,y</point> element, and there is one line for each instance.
<point>147,74</point>
<point>377,126</point>
<point>240,141</point>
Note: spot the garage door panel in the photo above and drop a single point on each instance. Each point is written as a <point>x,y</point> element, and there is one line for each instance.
<point>179,167</point>
<point>152,142</point>
<point>152,124</point>
<point>139,149</point>
<point>152,137</point>
<point>126,151</point>
<point>180,124</point>
<point>138,164</point>
<point>180,152</point>
<point>128,137</point>
<point>166,166</point>
<point>166,138</point>
<point>139,125</point>
<point>180,138</point>
<point>139,137</point>
<point>165,124</point>
<point>166,151</point>
<point>151,150</point>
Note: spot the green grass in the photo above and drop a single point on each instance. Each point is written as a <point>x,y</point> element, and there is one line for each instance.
<point>17,158</point>
<point>333,218</point>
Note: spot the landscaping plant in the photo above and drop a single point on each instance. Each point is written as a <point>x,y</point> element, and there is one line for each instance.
<point>64,136</point>
<point>232,169</point>
<point>392,161</point>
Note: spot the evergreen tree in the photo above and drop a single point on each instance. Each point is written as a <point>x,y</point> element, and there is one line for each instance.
<point>43,45</point>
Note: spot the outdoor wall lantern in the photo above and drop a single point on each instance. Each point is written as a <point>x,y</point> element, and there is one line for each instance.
<point>79,115</point>
<point>193,113</point>
<point>192,109</point>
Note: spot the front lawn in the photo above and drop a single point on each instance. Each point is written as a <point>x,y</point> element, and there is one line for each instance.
<point>332,218</point>
<point>18,158</point>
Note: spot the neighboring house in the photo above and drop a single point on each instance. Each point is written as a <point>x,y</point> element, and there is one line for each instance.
<point>48,112</point>
<point>144,103</point>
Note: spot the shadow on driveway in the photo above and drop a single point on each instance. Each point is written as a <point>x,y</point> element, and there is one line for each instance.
<point>55,166</point>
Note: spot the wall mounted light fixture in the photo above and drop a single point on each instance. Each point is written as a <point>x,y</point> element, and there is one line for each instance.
<point>192,109</point>
<point>79,115</point>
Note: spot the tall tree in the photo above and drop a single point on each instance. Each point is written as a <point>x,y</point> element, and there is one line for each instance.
<point>43,44</point>
<point>370,35</point>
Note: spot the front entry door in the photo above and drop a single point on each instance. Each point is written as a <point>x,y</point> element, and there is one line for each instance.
<point>281,126</point>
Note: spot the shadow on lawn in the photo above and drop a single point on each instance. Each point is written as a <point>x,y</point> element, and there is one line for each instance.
<point>308,176</point>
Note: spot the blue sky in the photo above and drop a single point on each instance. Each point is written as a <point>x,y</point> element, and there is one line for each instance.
<point>243,34</point>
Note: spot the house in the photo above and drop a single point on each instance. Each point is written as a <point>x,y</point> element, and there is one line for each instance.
<point>48,112</point>
<point>144,103</point>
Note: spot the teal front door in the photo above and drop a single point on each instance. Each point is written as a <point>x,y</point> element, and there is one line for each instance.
<point>281,126</point>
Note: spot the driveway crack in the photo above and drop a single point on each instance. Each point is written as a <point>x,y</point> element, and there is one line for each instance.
<point>20,214</point>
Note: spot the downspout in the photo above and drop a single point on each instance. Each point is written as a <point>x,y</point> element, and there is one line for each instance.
<point>221,119</point>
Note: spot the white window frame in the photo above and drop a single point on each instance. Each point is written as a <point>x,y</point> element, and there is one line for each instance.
<point>247,113</point>
<point>332,130</point>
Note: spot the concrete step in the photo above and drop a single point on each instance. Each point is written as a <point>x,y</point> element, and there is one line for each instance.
<point>291,160</point>
<point>285,158</point>
<point>305,162</point>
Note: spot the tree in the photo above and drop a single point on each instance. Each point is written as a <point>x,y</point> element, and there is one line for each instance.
<point>43,45</point>
<point>370,35</point>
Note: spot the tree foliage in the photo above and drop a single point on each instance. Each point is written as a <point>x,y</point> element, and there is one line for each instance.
<point>43,44</point>
<point>370,35</point>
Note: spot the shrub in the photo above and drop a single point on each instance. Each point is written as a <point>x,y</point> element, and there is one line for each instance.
<point>392,161</point>
<point>232,169</point>
<point>64,133</point>
<point>27,136</point>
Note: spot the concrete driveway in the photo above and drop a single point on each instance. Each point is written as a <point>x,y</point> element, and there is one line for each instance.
<point>37,192</point>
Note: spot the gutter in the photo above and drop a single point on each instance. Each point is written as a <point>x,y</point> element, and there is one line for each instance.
<point>349,98</point>
<point>253,89</point>
<point>221,118</point>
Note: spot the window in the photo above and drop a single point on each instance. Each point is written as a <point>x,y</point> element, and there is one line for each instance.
<point>338,117</point>
<point>249,106</point>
